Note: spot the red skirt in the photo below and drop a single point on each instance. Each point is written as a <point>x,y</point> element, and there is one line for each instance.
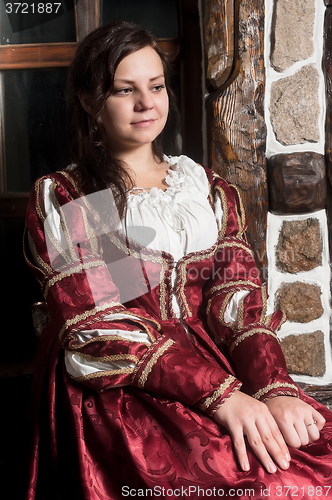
<point>125,443</point>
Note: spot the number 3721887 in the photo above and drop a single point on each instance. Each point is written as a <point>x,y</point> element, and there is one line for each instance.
<point>309,491</point>
<point>32,8</point>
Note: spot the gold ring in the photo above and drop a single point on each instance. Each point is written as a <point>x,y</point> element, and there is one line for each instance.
<point>312,423</point>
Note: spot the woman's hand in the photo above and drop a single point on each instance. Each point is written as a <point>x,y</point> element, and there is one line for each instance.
<point>243,416</point>
<point>299,423</point>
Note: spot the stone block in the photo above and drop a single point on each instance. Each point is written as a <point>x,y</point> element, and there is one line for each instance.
<point>294,107</point>
<point>299,246</point>
<point>305,354</point>
<point>297,182</point>
<point>292,32</point>
<point>300,301</point>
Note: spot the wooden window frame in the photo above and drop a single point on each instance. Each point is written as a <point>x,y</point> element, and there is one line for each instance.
<point>57,55</point>
<point>39,56</point>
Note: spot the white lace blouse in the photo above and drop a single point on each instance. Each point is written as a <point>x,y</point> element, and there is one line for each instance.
<point>183,221</point>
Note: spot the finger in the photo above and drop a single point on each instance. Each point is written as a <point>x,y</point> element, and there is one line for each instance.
<point>308,432</point>
<point>279,438</point>
<point>274,443</point>
<point>259,449</point>
<point>240,448</point>
<point>303,432</point>
<point>290,434</point>
<point>320,420</point>
<point>313,432</point>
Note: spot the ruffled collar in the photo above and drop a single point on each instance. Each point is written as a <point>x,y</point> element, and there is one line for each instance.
<point>179,183</point>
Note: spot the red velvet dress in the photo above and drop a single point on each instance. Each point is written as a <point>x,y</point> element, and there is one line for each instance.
<point>144,428</point>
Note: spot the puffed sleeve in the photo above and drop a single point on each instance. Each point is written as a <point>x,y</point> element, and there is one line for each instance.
<point>106,343</point>
<point>236,306</point>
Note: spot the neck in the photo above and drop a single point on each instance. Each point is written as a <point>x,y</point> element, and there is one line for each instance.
<point>144,168</point>
<point>140,160</point>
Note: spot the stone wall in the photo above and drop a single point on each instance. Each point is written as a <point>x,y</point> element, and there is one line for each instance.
<point>297,237</point>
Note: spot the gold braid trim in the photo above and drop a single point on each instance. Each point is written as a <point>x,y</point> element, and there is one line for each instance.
<point>224,305</point>
<point>147,330</point>
<point>58,247</point>
<point>106,373</point>
<point>223,309</point>
<point>243,284</point>
<point>72,182</point>
<point>89,232</point>
<point>270,387</point>
<point>240,315</point>
<point>241,219</point>
<point>47,229</point>
<point>103,338</point>
<point>199,256</point>
<point>85,315</point>
<point>163,291</point>
<point>37,206</point>
<point>66,233</point>
<point>250,333</point>
<point>40,261</point>
<point>77,269</point>
<point>148,368</point>
<point>233,242</point>
<point>210,195</point>
<point>208,402</point>
<point>264,301</point>
<point>282,321</point>
<point>223,200</point>
<point>111,357</point>
<point>142,253</point>
<point>268,319</point>
<point>141,323</point>
<point>135,316</point>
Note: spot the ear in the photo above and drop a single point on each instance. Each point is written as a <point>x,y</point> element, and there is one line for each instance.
<point>85,102</point>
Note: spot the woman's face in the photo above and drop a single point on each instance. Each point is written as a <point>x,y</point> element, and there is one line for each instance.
<point>136,111</point>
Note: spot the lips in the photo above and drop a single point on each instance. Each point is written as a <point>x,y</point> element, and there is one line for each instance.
<point>144,123</point>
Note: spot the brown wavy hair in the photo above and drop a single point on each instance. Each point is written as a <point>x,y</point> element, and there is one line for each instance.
<point>91,75</point>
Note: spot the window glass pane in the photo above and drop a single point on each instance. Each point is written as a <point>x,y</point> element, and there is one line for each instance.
<point>159,16</point>
<point>37,22</point>
<point>34,125</point>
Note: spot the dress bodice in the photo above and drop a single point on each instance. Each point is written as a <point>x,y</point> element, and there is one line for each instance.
<point>181,216</point>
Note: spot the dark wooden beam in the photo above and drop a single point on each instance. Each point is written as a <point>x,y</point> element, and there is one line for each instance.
<point>327,67</point>
<point>87,17</point>
<point>236,126</point>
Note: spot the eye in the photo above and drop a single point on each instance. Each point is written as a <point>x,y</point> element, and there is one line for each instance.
<point>158,88</point>
<point>123,91</point>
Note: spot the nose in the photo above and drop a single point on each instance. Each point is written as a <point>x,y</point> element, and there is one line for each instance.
<point>144,101</point>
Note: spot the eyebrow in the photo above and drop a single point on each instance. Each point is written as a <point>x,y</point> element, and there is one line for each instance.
<point>132,82</point>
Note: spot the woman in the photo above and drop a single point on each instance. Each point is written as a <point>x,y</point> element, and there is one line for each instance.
<point>160,373</point>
